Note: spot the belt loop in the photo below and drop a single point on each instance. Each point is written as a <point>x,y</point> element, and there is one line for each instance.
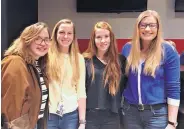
<point>152,110</point>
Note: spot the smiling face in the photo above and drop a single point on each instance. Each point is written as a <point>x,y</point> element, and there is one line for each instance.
<point>39,47</point>
<point>148,29</point>
<point>65,35</point>
<point>102,40</point>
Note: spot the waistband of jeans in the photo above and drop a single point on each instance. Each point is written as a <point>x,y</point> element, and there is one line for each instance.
<point>98,110</point>
<point>69,113</point>
<point>142,107</point>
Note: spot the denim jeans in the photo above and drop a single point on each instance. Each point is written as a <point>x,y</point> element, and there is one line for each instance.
<point>180,121</point>
<point>68,121</point>
<point>102,119</point>
<point>36,127</point>
<point>146,119</point>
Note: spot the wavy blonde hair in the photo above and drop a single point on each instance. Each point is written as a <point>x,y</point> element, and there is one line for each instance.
<point>155,49</point>
<point>20,46</point>
<point>54,64</point>
<point>112,72</point>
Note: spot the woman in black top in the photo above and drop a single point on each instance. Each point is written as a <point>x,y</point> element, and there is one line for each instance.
<point>104,79</point>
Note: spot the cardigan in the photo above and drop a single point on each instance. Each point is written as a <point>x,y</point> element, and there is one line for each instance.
<point>163,88</point>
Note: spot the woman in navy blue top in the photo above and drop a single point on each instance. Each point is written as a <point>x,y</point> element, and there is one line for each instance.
<point>104,79</point>
<point>152,94</point>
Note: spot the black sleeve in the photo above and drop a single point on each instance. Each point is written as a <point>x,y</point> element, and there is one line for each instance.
<point>124,78</point>
<point>88,73</point>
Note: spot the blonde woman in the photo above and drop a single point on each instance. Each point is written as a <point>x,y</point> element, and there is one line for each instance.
<point>152,95</point>
<point>24,95</point>
<point>104,71</point>
<point>66,71</point>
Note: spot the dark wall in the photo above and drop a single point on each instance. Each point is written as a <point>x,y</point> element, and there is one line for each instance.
<point>4,41</point>
<point>16,15</point>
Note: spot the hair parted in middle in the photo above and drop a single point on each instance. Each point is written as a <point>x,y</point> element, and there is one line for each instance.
<point>55,62</point>
<point>112,72</point>
<point>155,50</point>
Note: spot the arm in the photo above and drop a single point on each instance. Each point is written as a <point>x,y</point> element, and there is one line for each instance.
<point>82,93</point>
<point>172,113</point>
<point>126,49</point>
<point>14,87</point>
<point>172,82</point>
<point>124,78</point>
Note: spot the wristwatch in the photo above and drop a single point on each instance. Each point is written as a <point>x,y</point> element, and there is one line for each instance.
<point>173,123</point>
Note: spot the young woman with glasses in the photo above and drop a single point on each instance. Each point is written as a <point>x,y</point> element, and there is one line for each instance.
<point>24,95</point>
<point>152,94</point>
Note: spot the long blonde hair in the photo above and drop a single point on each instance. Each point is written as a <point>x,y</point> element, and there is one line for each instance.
<point>155,49</point>
<point>112,72</point>
<point>54,63</point>
<point>20,46</point>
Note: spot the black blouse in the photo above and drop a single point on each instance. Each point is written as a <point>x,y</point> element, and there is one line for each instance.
<point>97,95</point>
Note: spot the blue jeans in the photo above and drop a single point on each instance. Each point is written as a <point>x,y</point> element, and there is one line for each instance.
<point>102,119</point>
<point>36,127</point>
<point>146,119</point>
<point>180,120</point>
<point>68,121</point>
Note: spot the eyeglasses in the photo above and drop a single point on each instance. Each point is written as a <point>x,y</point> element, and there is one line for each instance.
<point>39,40</point>
<point>151,25</point>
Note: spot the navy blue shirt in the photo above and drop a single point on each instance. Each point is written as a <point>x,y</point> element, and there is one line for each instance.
<point>97,95</point>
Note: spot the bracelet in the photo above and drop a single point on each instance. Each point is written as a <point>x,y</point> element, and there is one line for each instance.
<point>173,123</point>
<point>82,121</point>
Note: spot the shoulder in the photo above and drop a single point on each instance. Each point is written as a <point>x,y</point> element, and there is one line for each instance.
<point>15,60</point>
<point>80,57</point>
<point>126,49</point>
<point>169,54</point>
<point>122,58</point>
<point>13,65</point>
<point>168,49</point>
<point>87,61</point>
<point>81,60</point>
<point>127,45</point>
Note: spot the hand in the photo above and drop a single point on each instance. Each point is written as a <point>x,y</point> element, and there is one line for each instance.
<point>170,127</point>
<point>82,126</point>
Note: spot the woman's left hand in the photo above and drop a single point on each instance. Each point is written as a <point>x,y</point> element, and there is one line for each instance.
<point>170,127</point>
<point>82,126</point>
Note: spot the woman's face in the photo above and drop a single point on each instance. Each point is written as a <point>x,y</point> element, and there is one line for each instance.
<point>102,40</point>
<point>148,29</point>
<point>39,47</point>
<point>65,35</point>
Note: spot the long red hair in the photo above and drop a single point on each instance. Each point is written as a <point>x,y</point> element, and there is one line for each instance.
<point>112,73</point>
